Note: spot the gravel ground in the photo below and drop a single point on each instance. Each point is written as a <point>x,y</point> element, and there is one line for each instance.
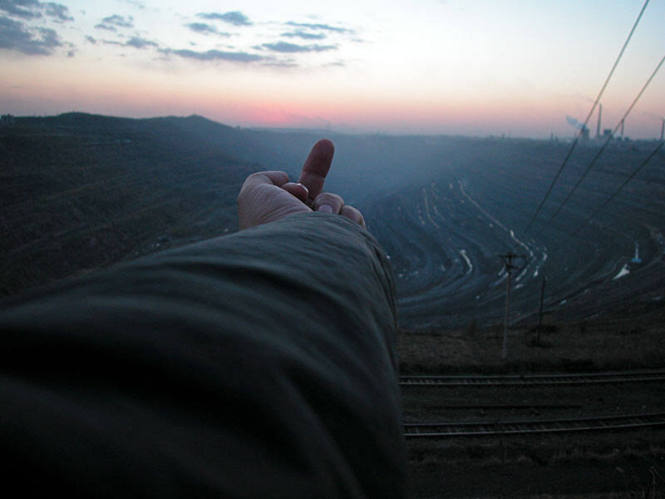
<point>609,464</point>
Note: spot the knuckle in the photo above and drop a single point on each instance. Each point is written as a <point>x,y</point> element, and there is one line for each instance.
<point>330,197</point>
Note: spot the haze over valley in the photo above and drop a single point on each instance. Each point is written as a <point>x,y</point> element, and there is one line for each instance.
<point>80,192</point>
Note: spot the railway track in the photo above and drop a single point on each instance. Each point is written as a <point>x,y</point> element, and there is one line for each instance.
<point>525,427</point>
<point>536,379</point>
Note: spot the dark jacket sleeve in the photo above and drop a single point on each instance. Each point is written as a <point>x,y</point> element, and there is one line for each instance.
<point>259,364</point>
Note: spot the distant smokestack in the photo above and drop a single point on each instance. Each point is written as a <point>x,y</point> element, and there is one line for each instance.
<point>622,129</point>
<point>600,114</point>
<point>662,129</point>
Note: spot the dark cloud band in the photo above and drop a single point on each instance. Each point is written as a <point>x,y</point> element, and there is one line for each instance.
<point>235,17</point>
<point>206,29</point>
<point>292,48</point>
<point>304,35</point>
<point>215,55</point>
<point>139,43</point>
<point>319,27</point>
<point>15,35</point>
<point>33,9</point>
<point>112,23</point>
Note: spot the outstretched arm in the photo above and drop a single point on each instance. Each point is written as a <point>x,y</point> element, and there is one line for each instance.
<point>259,364</point>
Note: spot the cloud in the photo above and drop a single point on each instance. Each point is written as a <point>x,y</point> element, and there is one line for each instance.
<point>205,29</point>
<point>135,42</point>
<point>135,3</point>
<point>34,9</point>
<point>113,42</point>
<point>320,27</point>
<point>304,35</point>
<point>58,11</point>
<point>104,26</point>
<point>112,23</point>
<point>235,17</point>
<point>140,43</point>
<point>26,9</point>
<point>15,35</point>
<point>90,39</point>
<point>290,48</point>
<point>215,55</point>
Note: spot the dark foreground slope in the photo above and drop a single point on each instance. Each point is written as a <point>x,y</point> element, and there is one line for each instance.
<point>78,192</point>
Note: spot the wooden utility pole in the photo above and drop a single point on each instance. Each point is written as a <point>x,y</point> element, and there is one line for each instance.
<point>508,262</point>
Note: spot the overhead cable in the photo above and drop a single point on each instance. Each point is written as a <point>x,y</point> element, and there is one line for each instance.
<point>586,121</point>
<point>624,183</point>
<point>607,141</point>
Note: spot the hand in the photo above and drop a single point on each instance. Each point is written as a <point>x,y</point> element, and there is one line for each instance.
<point>269,196</point>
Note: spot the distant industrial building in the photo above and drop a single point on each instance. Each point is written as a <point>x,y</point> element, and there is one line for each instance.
<point>607,132</point>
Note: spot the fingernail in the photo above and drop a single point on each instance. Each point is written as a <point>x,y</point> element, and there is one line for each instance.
<point>325,208</point>
<point>304,187</point>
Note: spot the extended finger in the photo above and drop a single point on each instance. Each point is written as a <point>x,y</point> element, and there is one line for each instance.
<point>316,167</point>
<point>298,190</point>
<point>327,202</point>
<point>352,213</point>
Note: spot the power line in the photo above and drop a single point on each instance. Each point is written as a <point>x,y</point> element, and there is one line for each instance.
<point>607,141</point>
<point>616,193</point>
<point>586,121</point>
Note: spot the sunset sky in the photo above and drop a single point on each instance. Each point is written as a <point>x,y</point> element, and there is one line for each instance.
<point>472,67</point>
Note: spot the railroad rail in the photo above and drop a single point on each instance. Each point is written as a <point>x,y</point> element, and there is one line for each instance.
<point>525,427</point>
<point>536,379</point>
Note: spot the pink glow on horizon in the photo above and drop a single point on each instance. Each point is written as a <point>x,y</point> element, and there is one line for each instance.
<point>361,112</point>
